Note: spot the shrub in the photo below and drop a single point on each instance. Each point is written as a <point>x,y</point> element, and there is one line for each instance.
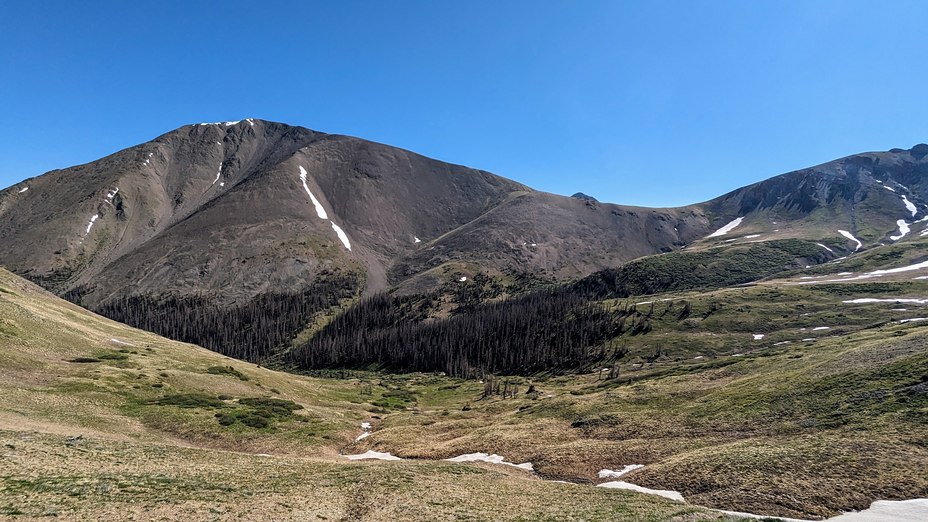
<point>227,370</point>
<point>84,360</point>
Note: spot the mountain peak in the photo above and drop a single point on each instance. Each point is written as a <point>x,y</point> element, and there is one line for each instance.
<point>585,197</point>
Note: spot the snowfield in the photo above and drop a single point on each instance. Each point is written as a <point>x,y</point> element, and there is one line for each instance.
<point>492,459</point>
<point>850,236</point>
<point>727,228</point>
<point>320,211</point>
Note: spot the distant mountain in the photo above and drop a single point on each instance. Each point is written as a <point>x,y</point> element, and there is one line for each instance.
<point>871,198</point>
<point>218,228</point>
<point>585,197</point>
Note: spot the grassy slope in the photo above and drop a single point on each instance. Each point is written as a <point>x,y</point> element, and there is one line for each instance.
<point>806,428</point>
<point>139,459</point>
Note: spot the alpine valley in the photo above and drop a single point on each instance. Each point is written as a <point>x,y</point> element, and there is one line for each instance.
<point>254,320</point>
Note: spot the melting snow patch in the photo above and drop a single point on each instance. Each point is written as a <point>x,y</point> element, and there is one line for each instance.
<point>111,194</point>
<point>416,240</point>
<point>866,300</point>
<point>903,230</point>
<point>362,436</point>
<point>914,319</point>
<point>758,337</point>
<point>492,459</point>
<point>825,247</point>
<point>850,236</point>
<point>727,228</point>
<point>23,189</point>
<point>751,236</point>
<point>462,279</point>
<point>319,210</point>
<point>117,341</point>
<point>888,511</point>
<point>910,206</point>
<point>618,484</point>
<point>341,235</point>
<point>90,224</point>
<point>218,173</point>
<point>608,473</point>
<point>889,188</point>
<point>821,328</point>
<point>916,266</point>
<point>374,455</point>
<point>781,343</point>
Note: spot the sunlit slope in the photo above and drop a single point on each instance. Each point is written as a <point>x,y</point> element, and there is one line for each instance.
<point>104,422</point>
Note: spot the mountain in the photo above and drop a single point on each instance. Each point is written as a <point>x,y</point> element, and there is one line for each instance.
<point>866,196</point>
<point>241,235</point>
<point>229,203</point>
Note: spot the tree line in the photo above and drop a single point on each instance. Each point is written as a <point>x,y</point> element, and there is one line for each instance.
<point>251,331</point>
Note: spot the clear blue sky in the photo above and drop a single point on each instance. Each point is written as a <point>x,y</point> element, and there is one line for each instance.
<point>647,103</point>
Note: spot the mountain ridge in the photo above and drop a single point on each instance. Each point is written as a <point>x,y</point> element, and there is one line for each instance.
<point>234,213</point>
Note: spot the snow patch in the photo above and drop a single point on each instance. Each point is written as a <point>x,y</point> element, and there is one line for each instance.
<point>112,194</point>
<point>416,239</point>
<point>608,473</point>
<point>90,224</point>
<point>341,235</point>
<point>916,266</point>
<point>727,228</point>
<point>23,189</point>
<point>888,511</point>
<point>492,459</point>
<point>463,279</point>
<point>758,337</point>
<point>781,343</point>
<point>117,341</point>
<point>910,206</point>
<point>850,236</point>
<point>867,300</point>
<point>373,455</point>
<point>903,230</point>
<point>914,319</point>
<point>889,188</point>
<point>825,247</point>
<point>751,236</point>
<point>821,328</point>
<point>218,173</point>
<point>320,211</point>
<point>618,484</point>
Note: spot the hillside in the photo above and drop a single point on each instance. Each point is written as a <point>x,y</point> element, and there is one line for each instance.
<point>105,422</point>
<point>831,393</point>
<point>246,237</point>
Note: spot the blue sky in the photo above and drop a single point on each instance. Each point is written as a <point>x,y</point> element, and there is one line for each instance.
<point>645,103</point>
